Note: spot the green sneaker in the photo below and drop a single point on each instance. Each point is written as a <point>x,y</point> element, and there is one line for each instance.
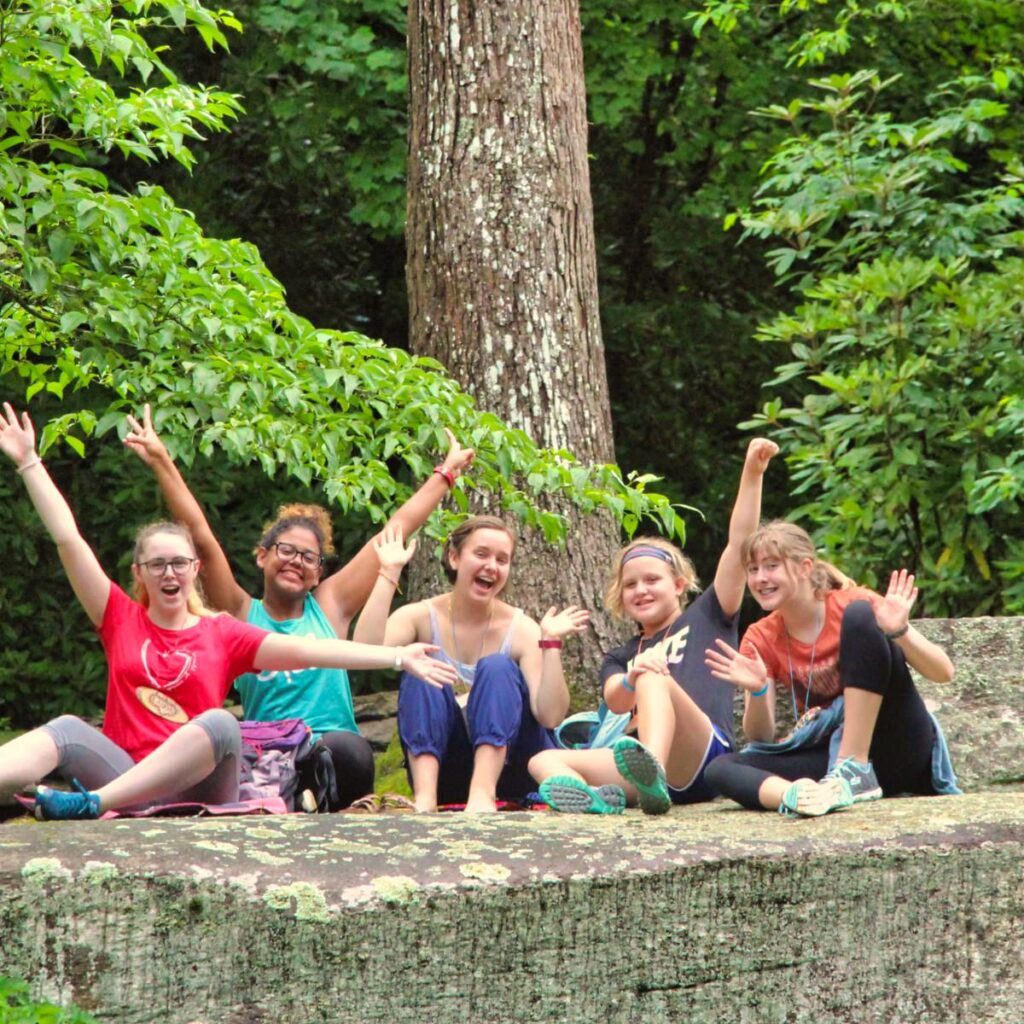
<point>640,768</point>
<point>570,795</point>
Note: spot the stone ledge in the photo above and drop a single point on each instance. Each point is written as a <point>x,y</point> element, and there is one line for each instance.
<point>898,911</point>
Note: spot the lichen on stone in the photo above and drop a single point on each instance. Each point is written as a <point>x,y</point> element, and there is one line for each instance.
<point>262,833</point>
<point>99,871</point>
<point>43,868</point>
<point>306,900</point>
<point>486,872</point>
<point>396,889</point>
<point>215,846</point>
<point>357,849</point>
<point>408,851</point>
<point>264,857</point>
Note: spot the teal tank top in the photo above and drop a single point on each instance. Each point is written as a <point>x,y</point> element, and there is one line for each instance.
<point>321,697</point>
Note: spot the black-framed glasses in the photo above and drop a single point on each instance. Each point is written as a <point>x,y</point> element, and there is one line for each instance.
<point>158,566</point>
<point>286,552</point>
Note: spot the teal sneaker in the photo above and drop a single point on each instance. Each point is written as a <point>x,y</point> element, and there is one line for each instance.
<point>640,768</point>
<point>56,805</point>
<point>613,796</point>
<point>573,796</point>
<point>810,799</point>
<point>859,777</point>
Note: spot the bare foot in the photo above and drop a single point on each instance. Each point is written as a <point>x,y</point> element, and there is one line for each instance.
<point>425,806</point>
<point>477,804</point>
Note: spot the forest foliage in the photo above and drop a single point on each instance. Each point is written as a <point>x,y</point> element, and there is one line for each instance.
<point>808,220</point>
<point>114,295</point>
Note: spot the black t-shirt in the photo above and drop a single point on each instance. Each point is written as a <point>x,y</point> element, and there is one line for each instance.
<point>684,643</point>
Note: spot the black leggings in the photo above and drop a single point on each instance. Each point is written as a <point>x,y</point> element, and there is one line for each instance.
<point>901,746</point>
<point>353,765</point>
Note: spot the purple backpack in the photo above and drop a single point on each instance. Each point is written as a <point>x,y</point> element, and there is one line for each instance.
<point>279,759</point>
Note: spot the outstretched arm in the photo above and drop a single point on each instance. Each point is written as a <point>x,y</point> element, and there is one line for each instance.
<point>222,590</point>
<point>346,591</point>
<point>892,613</point>
<point>279,651</point>
<point>730,577</point>
<point>90,583</point>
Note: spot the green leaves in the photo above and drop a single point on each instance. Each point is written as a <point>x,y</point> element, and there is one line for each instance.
<point>899,405</point>
<point>122,296</point>
<point>18,1007</point>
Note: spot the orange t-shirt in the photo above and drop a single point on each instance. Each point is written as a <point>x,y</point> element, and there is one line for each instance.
<point>814,681</point>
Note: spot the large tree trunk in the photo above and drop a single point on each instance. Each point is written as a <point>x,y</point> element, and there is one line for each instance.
<point>501,265</point>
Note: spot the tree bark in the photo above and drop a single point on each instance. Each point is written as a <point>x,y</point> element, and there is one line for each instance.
<point>501,269</point>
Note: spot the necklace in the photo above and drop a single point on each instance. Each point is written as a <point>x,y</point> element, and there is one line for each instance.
<point>455,641</point>
<point>663,631</point>
<point>818,623</point>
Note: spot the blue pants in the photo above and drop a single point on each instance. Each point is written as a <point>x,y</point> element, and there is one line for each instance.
<point>498,714</point>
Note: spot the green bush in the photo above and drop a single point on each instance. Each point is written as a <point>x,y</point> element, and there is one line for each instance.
<point>18,1007</point>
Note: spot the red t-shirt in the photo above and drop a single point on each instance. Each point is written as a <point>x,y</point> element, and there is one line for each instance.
<point>789,661</point>
<point>159,678</point>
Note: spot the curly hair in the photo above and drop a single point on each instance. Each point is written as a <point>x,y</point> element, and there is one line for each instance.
<point>314,518</point>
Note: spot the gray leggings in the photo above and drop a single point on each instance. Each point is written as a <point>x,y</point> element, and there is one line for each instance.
<point>87,755</point>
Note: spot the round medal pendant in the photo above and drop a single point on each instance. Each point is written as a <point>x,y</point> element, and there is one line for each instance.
<point>160,704</point>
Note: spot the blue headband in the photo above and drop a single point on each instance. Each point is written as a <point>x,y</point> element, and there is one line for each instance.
<point>647,551</point>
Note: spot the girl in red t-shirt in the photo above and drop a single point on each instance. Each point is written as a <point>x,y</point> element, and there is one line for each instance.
<point>824,637</point>
<point>170,666</point>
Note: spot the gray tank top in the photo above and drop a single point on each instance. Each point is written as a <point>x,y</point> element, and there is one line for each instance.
<point>466,672</point>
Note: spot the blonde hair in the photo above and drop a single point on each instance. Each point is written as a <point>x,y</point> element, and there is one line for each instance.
<point>682,569</point>
<point>791,543</point>
<point>314,518</point>
<point>195,602</point>
<point>461,533</point>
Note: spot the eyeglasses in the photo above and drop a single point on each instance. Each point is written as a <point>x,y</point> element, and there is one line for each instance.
<point>158,566</point>
<point>286,552</point>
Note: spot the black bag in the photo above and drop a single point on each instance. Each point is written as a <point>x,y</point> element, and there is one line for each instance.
<point>317,782</point>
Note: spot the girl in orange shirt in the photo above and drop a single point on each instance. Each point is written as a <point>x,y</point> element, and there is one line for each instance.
<point>825,637</point>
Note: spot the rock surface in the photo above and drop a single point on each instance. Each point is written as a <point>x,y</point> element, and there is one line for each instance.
<point>904,910</point>
<point>899,911</point>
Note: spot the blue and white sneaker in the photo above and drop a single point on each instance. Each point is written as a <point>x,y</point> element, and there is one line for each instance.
<point>860,778</point>
<point>56,805</point>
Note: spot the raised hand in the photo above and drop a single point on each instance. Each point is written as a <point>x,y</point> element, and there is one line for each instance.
<point>727,663</point>
<point>417,660</point>
<point>143,439</point>
<point>760,452</point>
<point>392,553</point>
<point>558,624</point>
<point>892,612</point>
<point>17,438</point>
<point>457,459</point>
